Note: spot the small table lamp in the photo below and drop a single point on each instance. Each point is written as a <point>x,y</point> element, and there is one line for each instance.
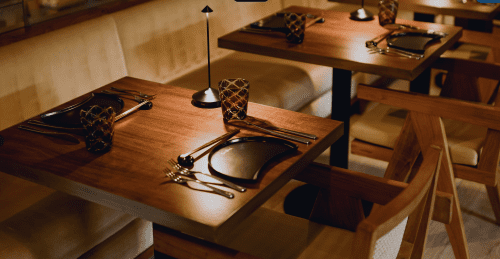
<point>362,14</point>
<point>208,98</point>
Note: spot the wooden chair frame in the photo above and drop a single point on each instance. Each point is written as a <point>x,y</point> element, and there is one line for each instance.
<point>397,200</point>
<point>425,113</point>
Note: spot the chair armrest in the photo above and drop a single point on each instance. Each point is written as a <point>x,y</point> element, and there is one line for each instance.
<point>480,38</point>
<point>368,187</point>
<point>476,68</point>
<point>473,113</point>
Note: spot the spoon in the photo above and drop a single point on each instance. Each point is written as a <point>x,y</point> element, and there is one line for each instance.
<point>187,160</point>
<point>145,105</point>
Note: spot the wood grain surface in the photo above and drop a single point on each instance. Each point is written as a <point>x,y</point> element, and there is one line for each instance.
<point>469,10</point>
<point>129,177</point>
<point>339,42</point>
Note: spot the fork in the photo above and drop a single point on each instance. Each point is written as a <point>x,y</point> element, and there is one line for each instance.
<point>187,172</point>
<point>181,180</point>
<point>143,95</point>
<point>385,51</point>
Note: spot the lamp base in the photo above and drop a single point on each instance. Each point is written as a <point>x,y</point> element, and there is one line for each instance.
<point>208,98</point>
<point>361,15</point>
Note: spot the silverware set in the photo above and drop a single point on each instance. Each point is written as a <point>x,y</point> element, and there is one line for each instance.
<point>187,172</point>
<point>184,180</point>
<point>372,44</point>
<point>180,174</point>
<point>275,133</point>
<point>398,52</point>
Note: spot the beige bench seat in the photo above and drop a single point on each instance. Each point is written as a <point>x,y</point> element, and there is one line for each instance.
<point>382,124</point>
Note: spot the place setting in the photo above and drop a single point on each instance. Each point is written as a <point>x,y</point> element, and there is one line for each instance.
<point>293,25</point>
<point>402,40</point>
<point>93,119</point>
<point>239,159</point>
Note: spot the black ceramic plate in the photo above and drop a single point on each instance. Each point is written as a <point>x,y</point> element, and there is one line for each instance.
<point>411,41</point>
<point>70,116</point>
<point>244,158</point>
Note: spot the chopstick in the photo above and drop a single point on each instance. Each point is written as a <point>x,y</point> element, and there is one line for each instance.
<point>43,124</point>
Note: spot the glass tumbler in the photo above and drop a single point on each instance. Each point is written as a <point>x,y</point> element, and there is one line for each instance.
<point>234,98</point>
<point>296,24</point>
<point>388,10</point>
<point>98,124</point>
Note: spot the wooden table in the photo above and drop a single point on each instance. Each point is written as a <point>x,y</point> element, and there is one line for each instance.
<point>340,43</point>
<point>462,12</point>
<point>129,177</point>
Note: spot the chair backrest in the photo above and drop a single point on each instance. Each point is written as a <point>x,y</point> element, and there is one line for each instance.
<point>416,200</point>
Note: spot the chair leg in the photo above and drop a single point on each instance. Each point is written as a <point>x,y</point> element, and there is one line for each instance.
<point>494,195</point>
<point>423,227</point>
<point>489,162</point>
<point>430,131</point>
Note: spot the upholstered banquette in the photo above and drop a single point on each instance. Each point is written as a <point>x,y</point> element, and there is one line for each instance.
<point>161,41</point>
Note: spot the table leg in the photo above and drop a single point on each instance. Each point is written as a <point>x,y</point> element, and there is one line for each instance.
<point>180,245</point>
<point>341,111</point>
<point>422,83</point>
<point>474,24</point>
<point>333,207</point>
<point>423,17</point>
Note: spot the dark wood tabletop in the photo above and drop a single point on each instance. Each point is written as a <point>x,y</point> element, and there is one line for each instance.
<point>129,177</point>
<point>467,10</point>
<point>339,42</point>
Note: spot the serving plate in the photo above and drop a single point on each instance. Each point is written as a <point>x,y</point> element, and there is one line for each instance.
<point>244,158</point>
<point>412,41</point>
<point>70,116</point>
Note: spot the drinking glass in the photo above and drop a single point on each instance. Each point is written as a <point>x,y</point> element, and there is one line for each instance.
<point>388,10</point>
<point>234,98</point>
<point>296,24</point>
<point>98,123</point>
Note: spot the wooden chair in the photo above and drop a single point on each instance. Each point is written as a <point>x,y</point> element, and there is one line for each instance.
<point>425,115</point>
<point>478,159</point>
<point>271,234</point>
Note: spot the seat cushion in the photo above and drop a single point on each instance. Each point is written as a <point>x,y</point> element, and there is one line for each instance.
<point>275,82</point>
<point>128,243</point>
<point>58,226</point>
<point>382,124</point>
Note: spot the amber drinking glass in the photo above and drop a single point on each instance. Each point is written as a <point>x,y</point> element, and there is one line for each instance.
<point>388,10</point>
<point>98,123</point>
<point>296,24</point>
<point>234,98</point>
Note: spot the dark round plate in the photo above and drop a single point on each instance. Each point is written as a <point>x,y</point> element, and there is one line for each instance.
<point>70,116</point>
<point>244,158</point>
